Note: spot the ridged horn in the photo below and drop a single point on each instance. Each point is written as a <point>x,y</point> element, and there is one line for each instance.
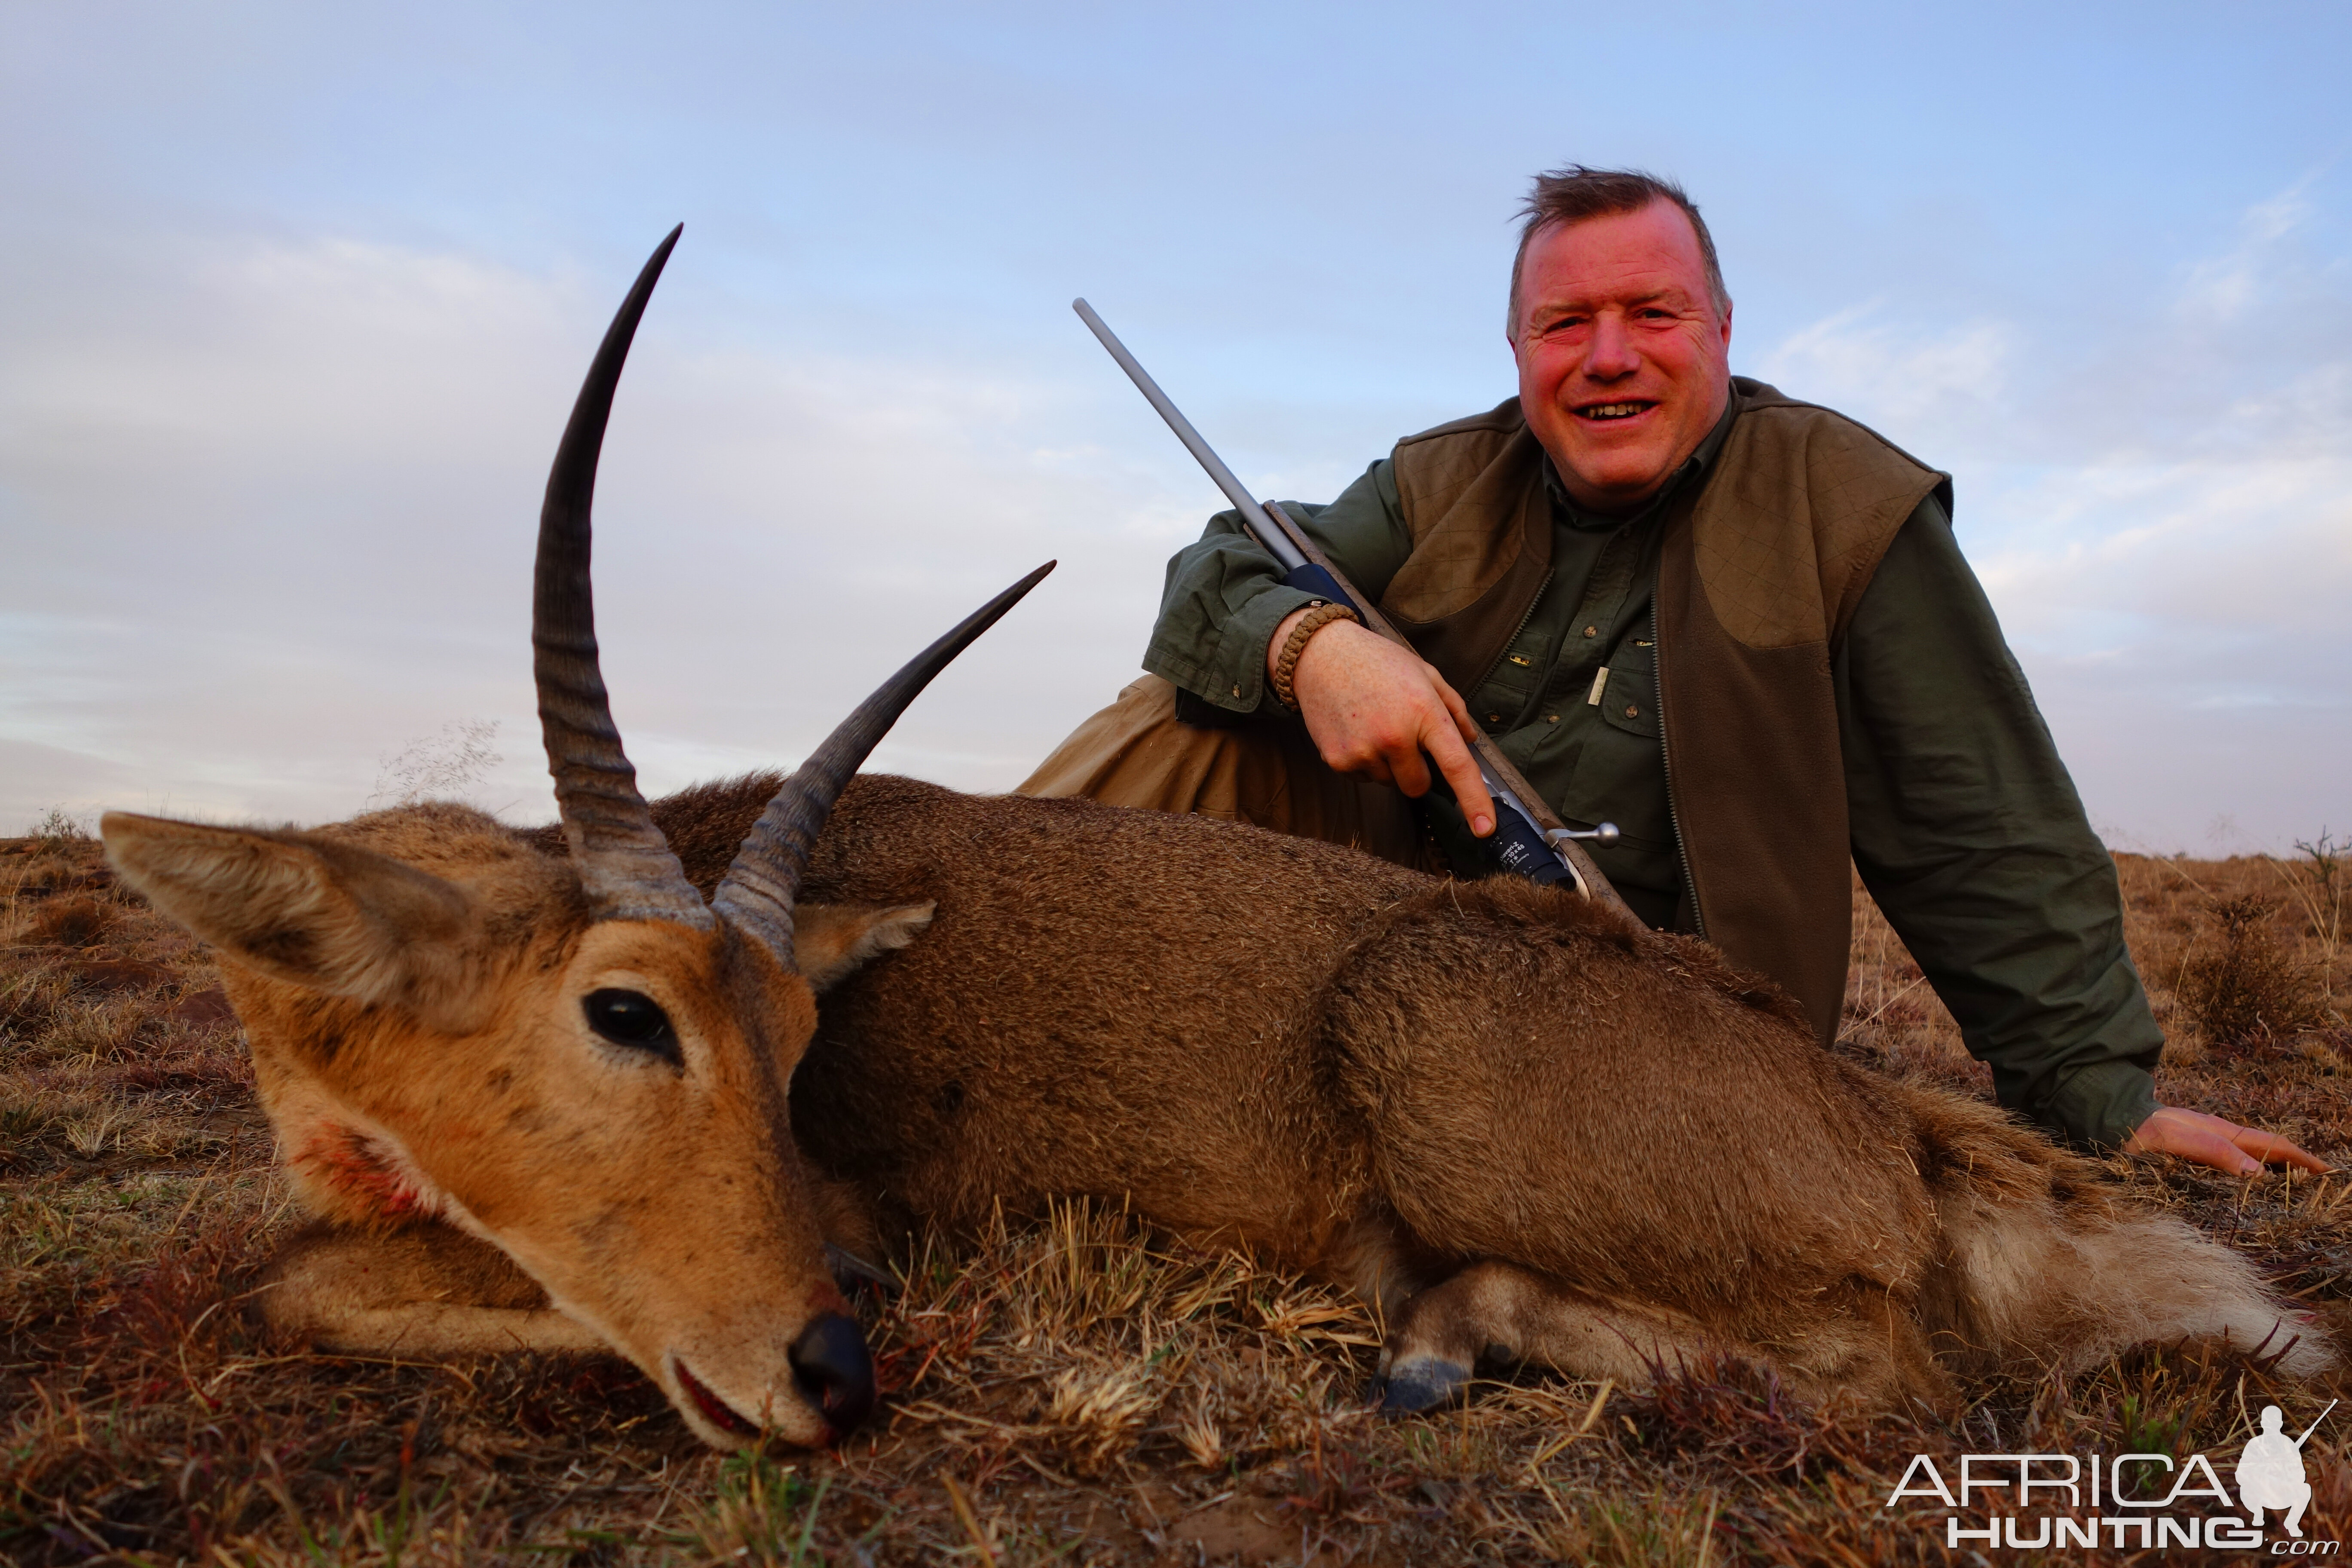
<point>758,891</point>
<point>624,864</point>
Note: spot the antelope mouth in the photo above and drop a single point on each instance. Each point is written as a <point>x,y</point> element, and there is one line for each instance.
<point>715,1410</point>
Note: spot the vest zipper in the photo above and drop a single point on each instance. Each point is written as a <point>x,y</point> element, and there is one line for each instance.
<point>1667,764</point>
<point>1497,662</point>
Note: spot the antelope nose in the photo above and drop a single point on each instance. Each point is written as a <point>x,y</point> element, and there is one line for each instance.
<point>830,1363</point>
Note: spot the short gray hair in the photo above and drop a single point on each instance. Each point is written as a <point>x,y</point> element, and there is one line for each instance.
<point>1573,195</point>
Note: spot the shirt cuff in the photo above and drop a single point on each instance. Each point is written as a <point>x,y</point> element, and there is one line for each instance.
<point>1233,675</point>
<point>2102,1104</point>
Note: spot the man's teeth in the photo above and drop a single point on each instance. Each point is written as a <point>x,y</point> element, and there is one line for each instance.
<point>1613,410</point>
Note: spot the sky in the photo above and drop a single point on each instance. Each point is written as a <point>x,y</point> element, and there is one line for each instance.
<point>294,300</point>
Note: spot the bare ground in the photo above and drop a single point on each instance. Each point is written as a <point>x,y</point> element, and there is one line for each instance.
<point>1073,1388</point>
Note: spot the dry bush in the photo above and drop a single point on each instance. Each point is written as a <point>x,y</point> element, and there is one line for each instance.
<point>2244,986</point>
<point>1070,1387</point>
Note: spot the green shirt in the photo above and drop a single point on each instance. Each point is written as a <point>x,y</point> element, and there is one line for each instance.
<point>1965,826</point>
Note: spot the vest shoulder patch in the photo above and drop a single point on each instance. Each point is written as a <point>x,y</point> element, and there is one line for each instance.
<point>1803,505</point>
<point>1456,484</point>
<point>1504,416</point>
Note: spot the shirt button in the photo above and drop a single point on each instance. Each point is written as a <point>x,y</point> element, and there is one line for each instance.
<point>1551,718</point>
<point>1237,691</point>
<point>1632,710</point>
<point>1494,717</point>
<point>1592,631</point>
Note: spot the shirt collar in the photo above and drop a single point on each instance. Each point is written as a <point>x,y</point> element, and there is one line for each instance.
<point>1698,462</point>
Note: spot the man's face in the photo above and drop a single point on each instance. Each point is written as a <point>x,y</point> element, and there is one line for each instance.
<point>1625,362</point>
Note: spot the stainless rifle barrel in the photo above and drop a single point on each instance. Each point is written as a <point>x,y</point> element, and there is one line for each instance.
<point>1277,542</point>
<point>1262,528</point>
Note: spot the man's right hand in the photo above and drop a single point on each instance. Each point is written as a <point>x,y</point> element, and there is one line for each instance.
<point>1375,709</point>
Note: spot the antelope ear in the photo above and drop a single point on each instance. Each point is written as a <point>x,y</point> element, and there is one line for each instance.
<point>830,941</point>
<point>303,908</point>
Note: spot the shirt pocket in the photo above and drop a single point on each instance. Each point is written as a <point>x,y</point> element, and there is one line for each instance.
<point>1503,696</point>
<point>1626,692</point>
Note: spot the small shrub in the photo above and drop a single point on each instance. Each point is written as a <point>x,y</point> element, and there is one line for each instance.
<point>58,829</point>
<point>2319,884</point>
<point>440,766</point>
<point>2241,985</point>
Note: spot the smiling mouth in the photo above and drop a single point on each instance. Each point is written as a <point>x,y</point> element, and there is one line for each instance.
<point>715,1410</point>
<point>1601,412</point>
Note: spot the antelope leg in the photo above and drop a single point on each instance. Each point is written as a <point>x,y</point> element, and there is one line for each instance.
<point>1500,1312</point>
<point>1853,1338</point>
<point>428,1291</point>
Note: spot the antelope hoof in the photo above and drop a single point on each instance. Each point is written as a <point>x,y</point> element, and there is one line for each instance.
<point>1415,1383</point>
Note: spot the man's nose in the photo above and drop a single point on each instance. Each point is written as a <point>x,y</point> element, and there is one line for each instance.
<point>1609,350</point>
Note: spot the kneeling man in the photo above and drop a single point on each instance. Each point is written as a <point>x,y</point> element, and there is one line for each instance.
<point>1735,623</point>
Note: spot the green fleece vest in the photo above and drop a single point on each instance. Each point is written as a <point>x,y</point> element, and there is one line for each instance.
<point>1759,571</point>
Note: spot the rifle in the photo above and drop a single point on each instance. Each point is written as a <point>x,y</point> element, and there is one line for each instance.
<point>1529,839</point>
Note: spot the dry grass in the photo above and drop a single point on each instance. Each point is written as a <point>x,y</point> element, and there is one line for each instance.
<point>1071,1388</point>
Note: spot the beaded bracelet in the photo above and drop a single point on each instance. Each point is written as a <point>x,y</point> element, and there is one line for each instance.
<point>1320,612</point>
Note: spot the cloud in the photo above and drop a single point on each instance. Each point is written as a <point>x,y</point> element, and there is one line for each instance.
<point>1951,379</point>
<point>271,497</point>
<point>2222,287</point>
<point>285,494</point>
<point>2161,510</point>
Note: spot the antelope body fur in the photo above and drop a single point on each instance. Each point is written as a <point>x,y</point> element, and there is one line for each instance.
<point>1524,1126</point>
<point>578,1092</point>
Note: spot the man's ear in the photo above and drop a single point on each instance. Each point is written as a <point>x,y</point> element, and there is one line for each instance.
<point>830,940</point>
<point>304,909</point>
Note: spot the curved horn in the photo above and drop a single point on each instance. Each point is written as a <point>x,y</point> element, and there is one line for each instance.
<point>758,892</point>
<point>624,863</point>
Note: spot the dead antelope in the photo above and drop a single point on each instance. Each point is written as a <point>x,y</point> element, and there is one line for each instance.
<point>541,1098</point>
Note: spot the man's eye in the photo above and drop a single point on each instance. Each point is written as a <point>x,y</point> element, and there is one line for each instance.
<point>634,1019</point>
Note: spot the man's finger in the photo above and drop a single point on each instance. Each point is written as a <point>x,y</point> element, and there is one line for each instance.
<point>2208,1148</point>
<point>1410,770</point>
<point>1454,705</point>
<point>2192,1135</point>
<point>1461,771</point>
<point>2272,1150</point>
<point>2220,1154</point>
<point>2212,1141</point>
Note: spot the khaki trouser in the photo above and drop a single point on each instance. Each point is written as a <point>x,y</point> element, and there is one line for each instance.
<point>1134,752</point>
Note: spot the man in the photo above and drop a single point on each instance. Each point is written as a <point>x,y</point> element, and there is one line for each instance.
<point>1736,624</point>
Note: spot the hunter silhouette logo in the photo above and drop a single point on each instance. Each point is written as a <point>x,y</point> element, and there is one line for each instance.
<point>2270,1472</point>
<point>2151,1501</point>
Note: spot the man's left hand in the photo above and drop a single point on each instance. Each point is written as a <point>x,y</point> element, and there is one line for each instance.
<point>2211,1141</point>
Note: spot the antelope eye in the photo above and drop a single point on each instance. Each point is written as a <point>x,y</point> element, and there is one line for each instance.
<point>634,1019</point>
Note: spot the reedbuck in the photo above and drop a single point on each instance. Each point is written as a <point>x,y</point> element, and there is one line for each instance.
<point>540,1094</point>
